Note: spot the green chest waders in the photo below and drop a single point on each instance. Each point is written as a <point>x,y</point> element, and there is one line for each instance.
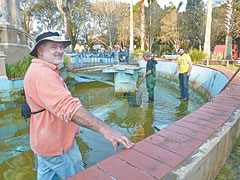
<point>151,81</point>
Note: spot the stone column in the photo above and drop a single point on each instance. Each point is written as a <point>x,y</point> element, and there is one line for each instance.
<point>10,13</point>
<point>2,64</point>
<point>13,39</point>
<point>5,13</point>
<point>16,14</point>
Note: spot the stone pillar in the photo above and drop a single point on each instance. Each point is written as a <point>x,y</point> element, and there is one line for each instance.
<point>5,17</point>
<point>10,13</point>
<point>16,14</point>
<point>13,39</point>
<point>2,64</point>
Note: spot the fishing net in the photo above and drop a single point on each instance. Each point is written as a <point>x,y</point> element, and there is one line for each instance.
<point>134,100</point>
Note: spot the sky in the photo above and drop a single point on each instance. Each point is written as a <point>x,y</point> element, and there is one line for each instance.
<point>165,2</point>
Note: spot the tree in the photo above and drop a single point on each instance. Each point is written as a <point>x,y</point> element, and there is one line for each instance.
<point>172,6</point>
<point>236,24</point>
<point>143,24</point>
<point>131,26</point>
<point>154,14</point>
<point>207,43</point>
<point>47,14</point>
<point>194,15</point>
<point>80,26</point>
<point>26,14</point>
<point>169,29</point>
<point>123,31</point>
<point>218,29</point>
<point>106,16</point>
<point>229,28</point>
<point>65,6</point>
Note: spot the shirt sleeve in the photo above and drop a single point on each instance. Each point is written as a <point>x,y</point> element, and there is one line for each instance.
<point>54,94</point>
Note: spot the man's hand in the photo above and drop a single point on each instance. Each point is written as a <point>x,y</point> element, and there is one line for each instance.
<point>116,138</point>
<point>83,118</point>
<point>188,74</point>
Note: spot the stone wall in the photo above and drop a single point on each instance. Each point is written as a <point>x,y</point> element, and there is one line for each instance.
<point>14,42</point>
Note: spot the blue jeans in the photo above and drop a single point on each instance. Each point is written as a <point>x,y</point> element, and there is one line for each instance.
<point>79,58</point>
<point>183,82</point>
<point>60,167</point>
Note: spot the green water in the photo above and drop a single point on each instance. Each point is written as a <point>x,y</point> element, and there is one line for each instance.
<point>17,160</point>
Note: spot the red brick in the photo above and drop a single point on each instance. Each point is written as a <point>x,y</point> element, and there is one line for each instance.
<point>226,100</point>
<point>160,154</point>
<point>91,173</point>
<point>221,104</point>
<point>203,122</point>
<point>121,170</point>
<point>230,103</point>
<point>196,127</point>
<point>188,132</point>
<point>208,118</point>
<point>180,138</point>
<point>226,108</point>
<point>213,116</point>
<point>221,111</point>
<point>70,178</point>
<point>170,145</point>
<point>145,163</point>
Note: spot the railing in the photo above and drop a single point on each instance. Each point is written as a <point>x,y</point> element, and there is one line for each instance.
<point>91,59</point>
<point>222,61</point>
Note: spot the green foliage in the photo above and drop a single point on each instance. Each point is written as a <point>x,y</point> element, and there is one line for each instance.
<point>47,13</point>
<point>19,68</point>
<point>217,56</point>
<point>139,51</point>
<point>65,60</point>
<point>197,56</point>
<point>193,22</point>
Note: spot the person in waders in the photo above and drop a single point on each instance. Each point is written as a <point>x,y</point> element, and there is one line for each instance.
<point>150,76</point>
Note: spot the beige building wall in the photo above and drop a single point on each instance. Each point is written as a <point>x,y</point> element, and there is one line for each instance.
<point>2,64</point>
<point>14,41</point>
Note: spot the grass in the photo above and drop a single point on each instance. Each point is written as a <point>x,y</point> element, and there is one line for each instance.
<point>231,170</point>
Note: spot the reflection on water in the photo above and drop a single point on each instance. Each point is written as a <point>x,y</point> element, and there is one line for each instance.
<point>17,160</point>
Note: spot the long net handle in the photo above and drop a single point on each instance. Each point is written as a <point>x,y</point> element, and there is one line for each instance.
<point>230,80</point>
<point>140,83</point>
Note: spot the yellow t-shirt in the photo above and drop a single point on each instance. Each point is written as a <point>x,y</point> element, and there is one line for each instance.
<point>79,48</point>
<point>184,63</point>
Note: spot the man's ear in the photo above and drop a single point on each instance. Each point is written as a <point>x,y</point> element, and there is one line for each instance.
<point>39,50</point>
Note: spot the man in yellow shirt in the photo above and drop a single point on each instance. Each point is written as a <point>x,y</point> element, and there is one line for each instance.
<point>79,48</point>
<point>184,66</point>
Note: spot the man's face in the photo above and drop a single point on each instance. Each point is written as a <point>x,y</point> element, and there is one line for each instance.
<point>52,52</point>
<point>146,58</point>
<point>80,43</point>
<point>181,51</point>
